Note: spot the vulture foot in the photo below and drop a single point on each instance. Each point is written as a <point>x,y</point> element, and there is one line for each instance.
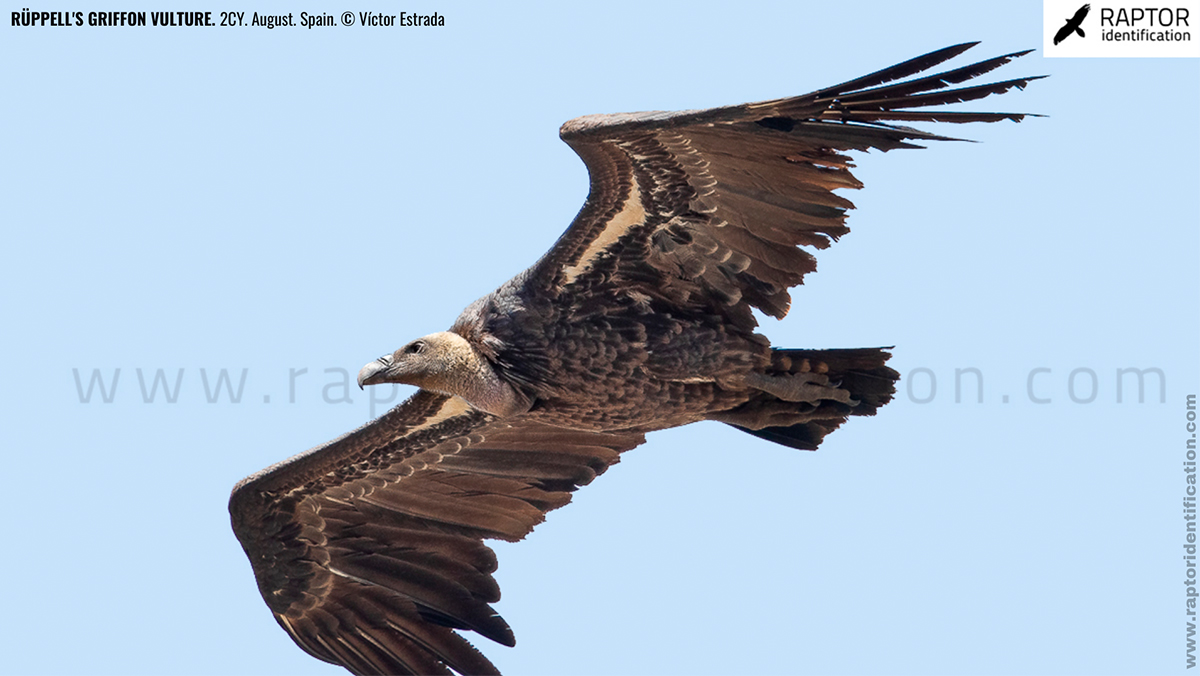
<point>806,387</point>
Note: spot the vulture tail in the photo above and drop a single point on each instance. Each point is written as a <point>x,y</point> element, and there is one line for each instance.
<point>862,372</point>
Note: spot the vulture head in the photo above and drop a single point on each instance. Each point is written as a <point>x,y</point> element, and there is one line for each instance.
<point>446,362</point>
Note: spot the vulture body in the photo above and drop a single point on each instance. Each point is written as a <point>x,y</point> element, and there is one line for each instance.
<point>369,549</point>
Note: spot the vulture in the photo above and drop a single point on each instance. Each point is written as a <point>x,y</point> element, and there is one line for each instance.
<point>369,550</point>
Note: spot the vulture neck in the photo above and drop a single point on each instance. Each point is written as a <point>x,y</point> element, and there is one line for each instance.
<point>471,376</point>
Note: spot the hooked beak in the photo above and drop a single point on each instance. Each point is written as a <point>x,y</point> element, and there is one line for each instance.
<point>375,372</point>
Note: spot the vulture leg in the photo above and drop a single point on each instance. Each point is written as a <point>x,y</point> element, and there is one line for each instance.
<point>760,414</point>
<point>807,387</point>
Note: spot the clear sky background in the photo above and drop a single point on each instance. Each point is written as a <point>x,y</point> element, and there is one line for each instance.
<point>245,199</point>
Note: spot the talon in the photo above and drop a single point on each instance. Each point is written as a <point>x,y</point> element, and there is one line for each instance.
<point>800,387</point>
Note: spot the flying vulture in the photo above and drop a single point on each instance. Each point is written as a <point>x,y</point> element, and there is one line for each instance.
<point>369,549</point>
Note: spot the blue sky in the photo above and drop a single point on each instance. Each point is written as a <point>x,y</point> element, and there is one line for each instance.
<point>266,201</point>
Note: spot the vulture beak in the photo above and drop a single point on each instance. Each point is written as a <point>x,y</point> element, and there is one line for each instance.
<point>375,372</point>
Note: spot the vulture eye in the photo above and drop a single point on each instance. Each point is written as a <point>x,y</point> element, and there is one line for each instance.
<point>415,348</point>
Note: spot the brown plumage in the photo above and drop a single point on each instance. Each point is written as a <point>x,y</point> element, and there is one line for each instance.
<point>369,550</point>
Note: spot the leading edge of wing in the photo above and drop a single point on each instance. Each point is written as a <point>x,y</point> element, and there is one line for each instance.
<point>422,411</point>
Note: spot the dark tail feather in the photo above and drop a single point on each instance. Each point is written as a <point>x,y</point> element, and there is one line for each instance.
<point>804,436</point>
<point>862,371</point>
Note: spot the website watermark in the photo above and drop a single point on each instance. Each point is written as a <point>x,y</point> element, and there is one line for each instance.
<point>1038,385</point>
<point>1191,584</point>
<point>333,385</point>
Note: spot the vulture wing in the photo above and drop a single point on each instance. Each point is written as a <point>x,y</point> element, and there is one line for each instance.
<point>703,206</point>
<point>369,551</point>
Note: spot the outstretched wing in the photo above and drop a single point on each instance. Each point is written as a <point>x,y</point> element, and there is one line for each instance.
<point>369,551</point>
<point>710,206</point>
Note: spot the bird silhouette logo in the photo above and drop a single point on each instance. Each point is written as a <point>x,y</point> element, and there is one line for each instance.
<point>1073,25</point>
